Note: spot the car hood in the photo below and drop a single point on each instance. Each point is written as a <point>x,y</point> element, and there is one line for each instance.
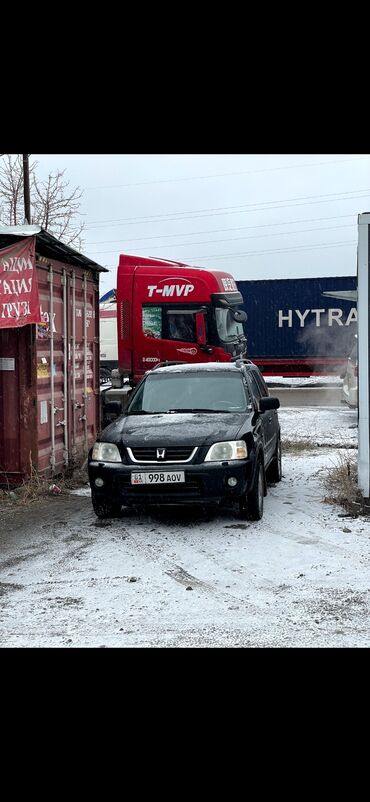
<point>195,429</point>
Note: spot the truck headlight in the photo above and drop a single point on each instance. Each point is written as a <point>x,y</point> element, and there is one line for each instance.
<point>106,452</point>
<point>232,449</point>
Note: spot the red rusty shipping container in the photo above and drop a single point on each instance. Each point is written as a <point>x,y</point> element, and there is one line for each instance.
<point>49,372</point>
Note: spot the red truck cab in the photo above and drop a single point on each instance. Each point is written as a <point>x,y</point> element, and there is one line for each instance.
<point>171,311</point>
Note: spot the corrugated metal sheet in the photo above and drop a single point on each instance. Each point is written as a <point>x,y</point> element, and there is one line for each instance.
<point>49,246</point>
<point>67,366</point>
<point>49,373</point>
<point>19,231</point>
<point>285,318</point>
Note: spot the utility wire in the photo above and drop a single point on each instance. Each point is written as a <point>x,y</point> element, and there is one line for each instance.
<point>221,230</point>
<point>236,239</point>
<point>223,175</point>
<point>294,249</point>
<point>233,209</point>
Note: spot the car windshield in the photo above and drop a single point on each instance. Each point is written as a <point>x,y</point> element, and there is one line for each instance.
<point>227,328</point>
<point>185,392</point>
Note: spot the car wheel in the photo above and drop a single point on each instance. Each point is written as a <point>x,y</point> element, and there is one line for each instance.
<point>104,508</point>
<point>274,470</point>
<point>253,509</point>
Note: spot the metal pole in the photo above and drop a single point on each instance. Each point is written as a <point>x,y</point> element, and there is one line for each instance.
<point>26,189</point>
<point>52,401</point>
<point>74,401</point>
<point>363,331</point>
<point>86,394</point>
<point>65,367</point>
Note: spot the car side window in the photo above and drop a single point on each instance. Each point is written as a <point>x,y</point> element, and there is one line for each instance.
<point>261,383</point>
<point>255,388</point>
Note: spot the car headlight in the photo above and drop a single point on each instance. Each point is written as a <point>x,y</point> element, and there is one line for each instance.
<point>106,452</point>
<point>232,449</point>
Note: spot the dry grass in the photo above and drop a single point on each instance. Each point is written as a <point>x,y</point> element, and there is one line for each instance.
<point>340,482</point>
<point>38,486</point>
<point>297,446</point>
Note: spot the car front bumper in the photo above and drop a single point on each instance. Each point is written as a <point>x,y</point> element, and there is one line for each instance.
<point>204,483</point>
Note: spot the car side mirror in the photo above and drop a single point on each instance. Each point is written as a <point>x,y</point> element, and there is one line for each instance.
<point>269,402</point>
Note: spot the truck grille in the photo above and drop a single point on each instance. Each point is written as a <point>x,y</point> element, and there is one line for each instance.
<point>152,455</point>
<point>125,320</point>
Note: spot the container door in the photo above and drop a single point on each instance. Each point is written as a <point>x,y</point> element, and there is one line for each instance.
<point>9,402</point>
<point>17,404</point>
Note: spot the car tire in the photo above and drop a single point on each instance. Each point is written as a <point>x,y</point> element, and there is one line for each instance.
<point>274,472</point>
<point>251,505</point>
<point>104,508</point>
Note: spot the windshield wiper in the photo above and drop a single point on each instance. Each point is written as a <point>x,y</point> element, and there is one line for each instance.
<point>194,409</point>
<point>173,411</point>
<point>141,412</point>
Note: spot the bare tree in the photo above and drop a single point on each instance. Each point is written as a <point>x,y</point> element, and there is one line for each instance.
<point>11,190</point>
<point>55,207</point>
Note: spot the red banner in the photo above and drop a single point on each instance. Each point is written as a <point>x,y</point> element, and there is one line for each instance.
<point>19,295</point>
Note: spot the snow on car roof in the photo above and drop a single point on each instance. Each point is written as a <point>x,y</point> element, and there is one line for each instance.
<point>198,366</point>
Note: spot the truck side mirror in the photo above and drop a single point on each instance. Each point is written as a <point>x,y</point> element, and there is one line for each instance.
<point>200,328</point>
<point>240,316</point>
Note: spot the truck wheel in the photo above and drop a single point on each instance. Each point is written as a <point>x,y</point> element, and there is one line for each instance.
<point>252,506</point>
<point>104,508</point>
<point>274,470</point>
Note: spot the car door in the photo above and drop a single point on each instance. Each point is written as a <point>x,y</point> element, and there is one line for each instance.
<point>263,416</point>
<point>269,418</point>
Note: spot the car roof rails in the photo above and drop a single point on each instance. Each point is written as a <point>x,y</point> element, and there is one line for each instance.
<point>166,364</point>
<point>241,363</point>
<point>241,360</point>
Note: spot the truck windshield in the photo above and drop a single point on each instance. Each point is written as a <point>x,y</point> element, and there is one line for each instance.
<point>189,393</point>
<point>227,328</point>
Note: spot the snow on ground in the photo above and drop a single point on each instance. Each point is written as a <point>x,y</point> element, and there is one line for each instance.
<point>298,578</point>
<point>303,381</point>
<point>330,426</point>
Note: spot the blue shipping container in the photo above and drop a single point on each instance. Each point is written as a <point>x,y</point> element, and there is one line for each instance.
<point>292,328</point>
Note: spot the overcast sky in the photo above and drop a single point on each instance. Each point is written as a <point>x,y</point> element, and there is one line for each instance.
<point>255,216</point>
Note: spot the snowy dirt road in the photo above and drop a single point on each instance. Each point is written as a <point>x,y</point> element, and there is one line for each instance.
<point>298,578</point>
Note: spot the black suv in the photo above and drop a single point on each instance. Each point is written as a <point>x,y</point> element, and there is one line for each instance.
<point>205,433</point>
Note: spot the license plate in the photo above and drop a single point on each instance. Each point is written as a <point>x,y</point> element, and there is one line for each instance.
<point>158,478</point>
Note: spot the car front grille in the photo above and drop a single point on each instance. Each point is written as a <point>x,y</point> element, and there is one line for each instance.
<point>172,454</point>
